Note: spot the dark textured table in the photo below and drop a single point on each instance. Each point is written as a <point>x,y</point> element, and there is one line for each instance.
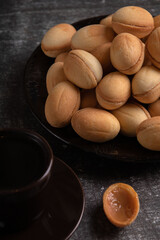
<point>22,26</point>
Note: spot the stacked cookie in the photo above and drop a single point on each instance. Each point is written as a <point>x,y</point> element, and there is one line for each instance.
<point>106,77</point>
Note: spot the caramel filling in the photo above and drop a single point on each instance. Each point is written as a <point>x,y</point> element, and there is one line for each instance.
<point>120,204</point>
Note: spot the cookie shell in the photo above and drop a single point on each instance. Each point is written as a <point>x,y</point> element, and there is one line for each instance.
<point>153,47</point>
<point>157,21</point>
<point>154,108</point>
<point>55,75</point>
<point>102,53</point>
<point>92,36</point>
<point>95,125</point>
<point>83,69</point>
<point>130,116</point>
<point>132,19</point>
<point>148,133</point>
<point>57,39</point>
<point>113,90</point>
<point>121,204</point>
<point>146,84</point>
<point>61,104</point>
<point>61,57</point>
<point>107,21</point>
<point>127,53</point>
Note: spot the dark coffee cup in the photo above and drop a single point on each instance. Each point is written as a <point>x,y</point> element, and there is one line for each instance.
<point>26,161</point>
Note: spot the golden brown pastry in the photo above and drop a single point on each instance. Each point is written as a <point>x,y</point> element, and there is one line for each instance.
<point>121,204</point>
<point>157,21</point>
<point>61,57</point>
<point>55,75</point>
<point>146,84</point>
<point>102,53</point>
<point>92,36</point>
<point>154,108</point>
<point>113,90</point>
<point>148,133</point>
<point>135,20</point>
<point>57,39</point>
<point>127,53</point>
<point>130,116</point>
<point>153,47</point>
<point>95,125</point>
<point>61,104</point>
<point>107,21</point>
<point>82,69</point>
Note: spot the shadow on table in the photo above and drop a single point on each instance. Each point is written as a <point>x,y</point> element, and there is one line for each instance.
<point>102,228</point>
<point>91,164</point>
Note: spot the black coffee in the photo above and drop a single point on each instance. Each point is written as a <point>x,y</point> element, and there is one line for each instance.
<point>21,162</point>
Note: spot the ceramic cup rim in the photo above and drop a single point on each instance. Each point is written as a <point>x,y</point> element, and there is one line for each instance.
<point>44,145</point>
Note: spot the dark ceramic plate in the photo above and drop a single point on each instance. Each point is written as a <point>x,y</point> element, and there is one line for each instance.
<point>121,148</point>
<point>64,211</point>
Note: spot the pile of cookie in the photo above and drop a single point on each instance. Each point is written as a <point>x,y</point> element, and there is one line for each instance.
<point>106,77</point>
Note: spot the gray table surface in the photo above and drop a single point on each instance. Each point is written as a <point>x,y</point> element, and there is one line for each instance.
<point>22,26</point>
